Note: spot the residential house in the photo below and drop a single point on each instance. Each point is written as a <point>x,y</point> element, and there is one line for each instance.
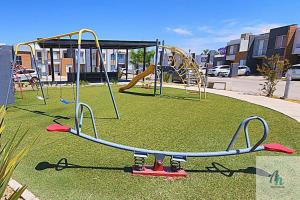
<point>237,50</point>
<point>281,42</point>
<point>257,51</point>
<point>232,48</point>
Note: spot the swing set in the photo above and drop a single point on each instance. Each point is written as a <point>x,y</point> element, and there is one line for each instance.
<point>140,154</point>
<point>14,80</point>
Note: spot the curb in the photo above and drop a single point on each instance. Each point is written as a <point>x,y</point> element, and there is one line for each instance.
<point>26,195</point>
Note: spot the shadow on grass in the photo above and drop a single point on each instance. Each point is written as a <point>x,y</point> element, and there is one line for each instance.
<point>63,164</point>
<point>163,96</point>
<point>215,168</point>
<point>138,94</point>
<point>219,168</point>
<point>56,118</point>
<point>180,97</point>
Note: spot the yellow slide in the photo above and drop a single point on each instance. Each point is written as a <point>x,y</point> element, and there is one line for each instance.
<point>136,79</point>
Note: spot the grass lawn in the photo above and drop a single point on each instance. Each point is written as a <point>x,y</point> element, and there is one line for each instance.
<point>171,122</point>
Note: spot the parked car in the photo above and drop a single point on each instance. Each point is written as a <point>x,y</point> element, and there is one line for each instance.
<point>294,72</point>
<point>243,70</point>
<point>219,70</point>
<point>26,75</point>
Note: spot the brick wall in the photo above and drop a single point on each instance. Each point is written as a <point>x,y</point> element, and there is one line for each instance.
<point>289,46</point>
<point>240,56</point>
<point>64,63</point>
<point>26,59</point>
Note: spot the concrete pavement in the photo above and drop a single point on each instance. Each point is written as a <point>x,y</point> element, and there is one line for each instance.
<point>253,85</point>
<point>290,109</point>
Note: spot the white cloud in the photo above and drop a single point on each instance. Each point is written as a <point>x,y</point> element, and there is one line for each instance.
<point>180,31</point>
<point>230,22</point>
<point>217,35</point>
<point>260,28</point>
<point>206,29</point>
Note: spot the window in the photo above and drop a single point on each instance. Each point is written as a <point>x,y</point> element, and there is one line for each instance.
<point>39,55</point>
<point>19,60</point>
<point>68,68</point>
<point>295,67</point>
<point>65,54</point>
<point>233,49</point>
<point>121,58</point>
<point>81,57</point>
<point>242,62</point>
<point>298,45</point>
<point>219,62</point>
<point>94,57</point>
<point>55,55</point>
<point>280,42</point>
<point>56,69</point>
<point>225,67</point>
<point>113,68</point>
<point>112,56</point>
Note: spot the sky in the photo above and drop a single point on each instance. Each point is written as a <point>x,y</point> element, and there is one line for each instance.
<point>188,24</point>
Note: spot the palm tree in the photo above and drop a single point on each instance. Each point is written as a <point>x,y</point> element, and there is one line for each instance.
<point>205,52</point>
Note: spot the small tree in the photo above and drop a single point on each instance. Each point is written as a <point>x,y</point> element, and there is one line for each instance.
<point>137,57</point>
<point>272,70</point>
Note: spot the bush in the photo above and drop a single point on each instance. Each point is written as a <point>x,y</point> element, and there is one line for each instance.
<point>272,70</point>
<point>167,77</point>
<point>10,158</point>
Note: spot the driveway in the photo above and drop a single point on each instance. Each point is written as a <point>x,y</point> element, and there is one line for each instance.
<point>253,84</point>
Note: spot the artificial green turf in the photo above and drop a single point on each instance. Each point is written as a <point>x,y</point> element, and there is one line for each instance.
<point>172,122</point>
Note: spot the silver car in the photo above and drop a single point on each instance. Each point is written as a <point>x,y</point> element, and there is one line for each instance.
<point>294,72</point>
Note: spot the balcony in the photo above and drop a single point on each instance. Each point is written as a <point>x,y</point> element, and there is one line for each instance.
<point>259,53</point>
<point>230,57</point>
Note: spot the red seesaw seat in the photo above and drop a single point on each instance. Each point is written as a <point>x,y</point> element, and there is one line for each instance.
<point>278,148</point>
<point>58,128</point>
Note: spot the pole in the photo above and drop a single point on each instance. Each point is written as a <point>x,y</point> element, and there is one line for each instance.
<point>77,90</point>
<point>144,61</point>
<point>52,65</point>
<point>108,84</point>
<point>287,86</point>
<point>127,62</point>
<point>91,59</point>
<point>155,69</point>
<point>38,76</point>
<point>161,67</point>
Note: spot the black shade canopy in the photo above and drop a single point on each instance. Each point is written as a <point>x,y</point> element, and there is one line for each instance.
<point>105,44</point>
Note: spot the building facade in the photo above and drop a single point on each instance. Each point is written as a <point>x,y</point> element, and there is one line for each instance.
<point>281,42</point>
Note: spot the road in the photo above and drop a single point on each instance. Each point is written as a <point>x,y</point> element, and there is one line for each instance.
<point>253,85</point>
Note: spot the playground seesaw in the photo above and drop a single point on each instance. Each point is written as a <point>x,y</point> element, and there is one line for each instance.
<point>176,158</point>
<point>140,154</point>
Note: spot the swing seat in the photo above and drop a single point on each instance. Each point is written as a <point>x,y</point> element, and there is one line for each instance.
<point>58,128</point>
<point>64,101</point>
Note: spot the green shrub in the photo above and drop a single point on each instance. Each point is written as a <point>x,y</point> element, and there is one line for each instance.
<point>10,157</point>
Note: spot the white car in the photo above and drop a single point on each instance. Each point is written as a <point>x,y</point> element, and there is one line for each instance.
<point>26,75</point>
<point>220,70</point>
<point>294,72</point>
<point>243,70</point>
